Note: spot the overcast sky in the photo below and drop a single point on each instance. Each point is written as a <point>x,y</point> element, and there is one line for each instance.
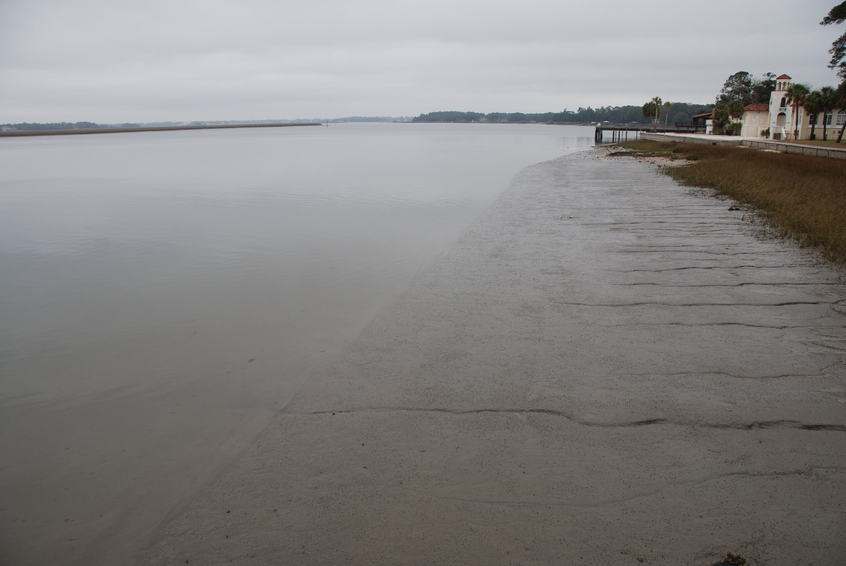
<point>116,60</point>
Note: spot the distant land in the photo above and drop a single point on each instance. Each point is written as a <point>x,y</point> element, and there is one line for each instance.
<point>129,126</point>
<point>677,113</point>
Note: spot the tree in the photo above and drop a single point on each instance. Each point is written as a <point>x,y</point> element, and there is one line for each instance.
<point>840,102</point>
<point>813,106</point>
<point>667,106</point>
<point>656,100</point>
<point>652,109</point>
<point>721,119</point>
<point>725,115</point>
<point>649,110</point>
<point>735,109</point>
<point>762,88</point>
<point>737,87</point>
<point>837,15</point>
<point>796,95</point>
<point>744,86</point>
<point>827,104</point>
<point>616,114</point>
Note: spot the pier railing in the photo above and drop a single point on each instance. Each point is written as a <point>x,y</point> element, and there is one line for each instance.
<point>624,132</point>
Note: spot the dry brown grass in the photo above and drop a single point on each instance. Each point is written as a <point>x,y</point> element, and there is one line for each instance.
<point>821,143</point>
<point>803,197</point>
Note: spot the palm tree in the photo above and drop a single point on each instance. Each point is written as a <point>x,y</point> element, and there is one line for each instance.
<point>656,100</point>
<point>796,95</point>
<point>813,106</point>
<point>840,102</point>
<point>827,100</point>
<point>652,109</point>
<point>649,111</point>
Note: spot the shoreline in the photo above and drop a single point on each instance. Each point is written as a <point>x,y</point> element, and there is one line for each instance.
<point>800,196</point>
<point>163,365</point>
<point>30,133</point>
<point>554,376</point>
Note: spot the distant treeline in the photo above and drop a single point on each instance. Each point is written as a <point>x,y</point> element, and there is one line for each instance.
<point>59,126</point>
<point>678,113</point>
<point>32,126</point>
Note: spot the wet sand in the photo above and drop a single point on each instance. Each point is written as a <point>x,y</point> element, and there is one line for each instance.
<point>608,368</point>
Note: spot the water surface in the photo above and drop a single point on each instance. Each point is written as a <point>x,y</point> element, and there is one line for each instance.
<point>162,293</point>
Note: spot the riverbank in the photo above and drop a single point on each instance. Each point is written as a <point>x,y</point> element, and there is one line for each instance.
<point>831,151</point>
<point>606,368</point>
<point>803,197</point>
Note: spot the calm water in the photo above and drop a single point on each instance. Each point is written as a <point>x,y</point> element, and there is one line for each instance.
<point>123,254</point>
<point>162,293</point>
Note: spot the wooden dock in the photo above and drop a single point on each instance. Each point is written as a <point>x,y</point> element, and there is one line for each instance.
<point>624,132</point>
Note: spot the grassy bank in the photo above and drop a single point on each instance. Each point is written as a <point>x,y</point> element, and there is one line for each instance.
<point>821,143</point>
<point>803,197</point>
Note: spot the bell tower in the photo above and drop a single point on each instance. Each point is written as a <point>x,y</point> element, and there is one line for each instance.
<point>778,108</point>
<point>783,83</point>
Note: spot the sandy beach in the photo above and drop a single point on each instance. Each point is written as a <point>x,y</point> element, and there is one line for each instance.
<point>607,368</point>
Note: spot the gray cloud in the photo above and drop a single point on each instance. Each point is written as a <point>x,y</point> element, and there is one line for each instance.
<point>138,61</point>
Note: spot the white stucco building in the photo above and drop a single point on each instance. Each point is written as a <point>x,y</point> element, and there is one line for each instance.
<point>756,120</point>
<point>780,120</point>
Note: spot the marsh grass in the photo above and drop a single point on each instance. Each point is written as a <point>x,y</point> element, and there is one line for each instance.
<point>820,143</point>
<point>802,197</point>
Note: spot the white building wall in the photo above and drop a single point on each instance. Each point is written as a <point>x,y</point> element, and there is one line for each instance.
<point>780,129</point>
<point>754,123</point>
<point>784,129</point>
<point>832,130</point>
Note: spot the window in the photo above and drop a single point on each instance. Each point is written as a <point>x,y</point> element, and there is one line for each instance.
<point>841,117</point>
<point>827,120</point>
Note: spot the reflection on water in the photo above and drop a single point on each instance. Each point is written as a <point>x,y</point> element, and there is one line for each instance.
<point>163,293</point>
<point>121,253</point>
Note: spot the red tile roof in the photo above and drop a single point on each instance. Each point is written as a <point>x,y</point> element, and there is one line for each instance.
<point>756,108</point>
<point>784,78</point>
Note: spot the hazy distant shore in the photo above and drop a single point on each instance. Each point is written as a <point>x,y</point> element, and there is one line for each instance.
<point>20,133</point>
